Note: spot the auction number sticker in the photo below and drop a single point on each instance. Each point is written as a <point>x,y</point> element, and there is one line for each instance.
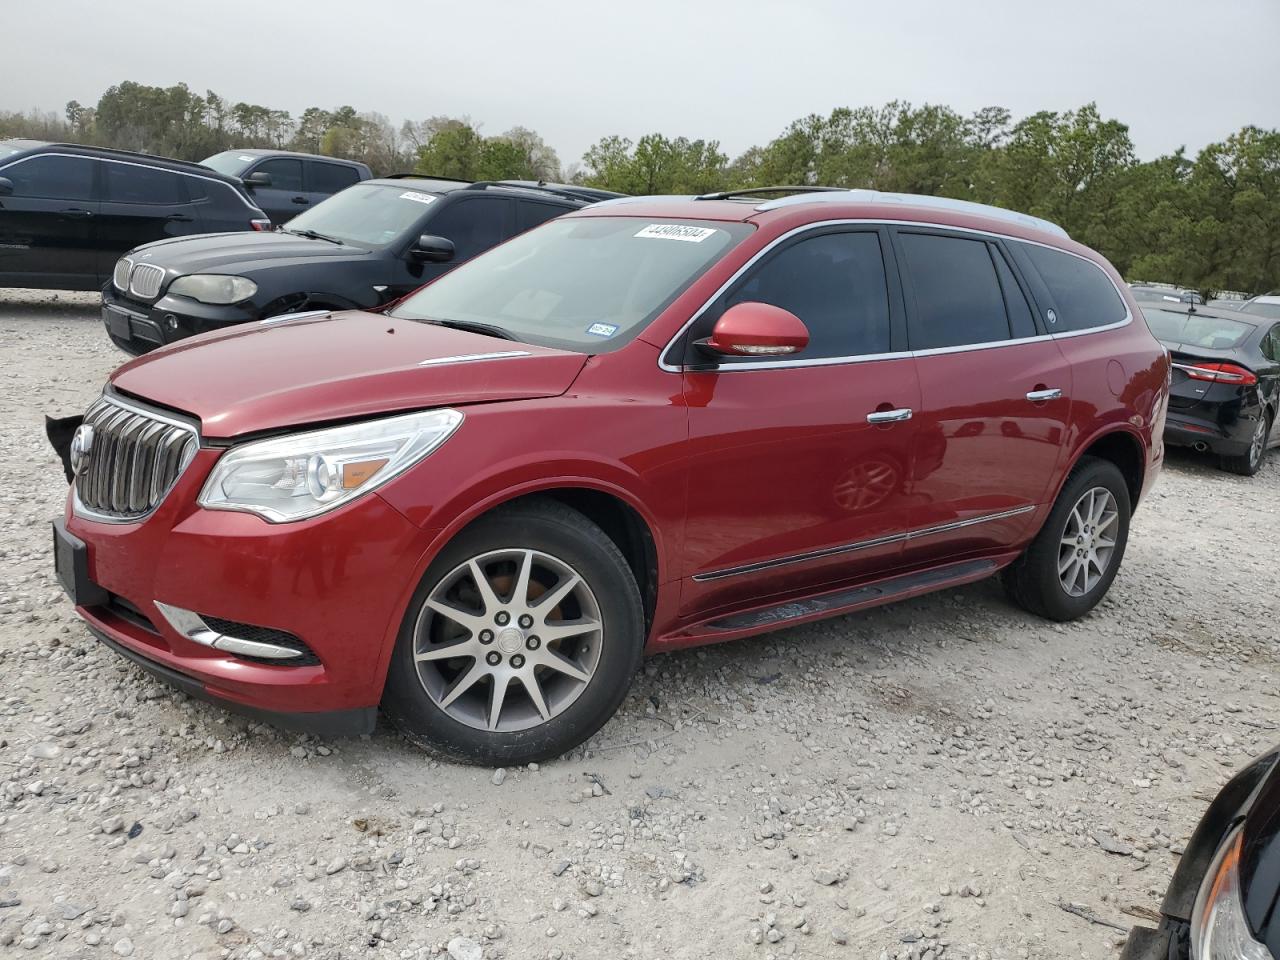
<point>417,197</point>
<point>676,231</point>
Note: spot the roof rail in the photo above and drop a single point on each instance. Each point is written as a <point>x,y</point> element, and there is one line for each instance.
<point>763,191</point>
<point>420,176</point>
<point>564,193</point>
<point>917,200</point>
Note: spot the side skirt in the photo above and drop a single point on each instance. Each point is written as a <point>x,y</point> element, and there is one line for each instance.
<point>832,603</point>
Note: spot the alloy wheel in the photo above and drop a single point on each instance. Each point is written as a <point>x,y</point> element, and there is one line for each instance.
<point>508,640</point>
<point>1259,443</point>
<point>1088,541</point>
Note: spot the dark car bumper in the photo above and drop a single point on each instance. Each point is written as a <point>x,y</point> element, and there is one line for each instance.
<point>138,327</point>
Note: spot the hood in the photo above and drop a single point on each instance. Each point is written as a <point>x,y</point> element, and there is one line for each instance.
<point>238,252</point>
<point>337,366</point>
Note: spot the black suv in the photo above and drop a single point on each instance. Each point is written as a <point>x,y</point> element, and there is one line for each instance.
<point>361,248</point>
<point>67,212</point>
<point>286,184</point>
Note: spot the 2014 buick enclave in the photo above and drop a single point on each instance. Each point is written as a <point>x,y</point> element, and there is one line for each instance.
<point>650,424</point>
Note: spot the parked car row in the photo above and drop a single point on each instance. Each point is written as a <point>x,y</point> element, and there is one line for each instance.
<point>645,424</point>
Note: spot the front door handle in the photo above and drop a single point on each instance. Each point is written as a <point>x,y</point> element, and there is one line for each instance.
<point>1039,396</point>
<point>300,200</point>
<point>889,416</point>
<point>75,213</point>
<point>179,218</point>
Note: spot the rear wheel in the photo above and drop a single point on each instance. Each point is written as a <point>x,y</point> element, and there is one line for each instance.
<point>1074,558</point>
<point>1250,462</point>
<point>521,641</point>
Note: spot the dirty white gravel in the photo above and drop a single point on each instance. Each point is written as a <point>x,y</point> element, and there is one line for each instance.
<point>937,779</point>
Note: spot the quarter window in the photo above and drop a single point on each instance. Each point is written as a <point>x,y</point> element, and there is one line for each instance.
<point>958,296</point>
<point>331,177</point>
<point>835,283</point>
<point>129,183</point>
<point>55,178</point>
<point>286,174</point>
<point>1083,296</point>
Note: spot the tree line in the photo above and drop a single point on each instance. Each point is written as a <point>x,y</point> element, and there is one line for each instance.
<point>1209,221</point>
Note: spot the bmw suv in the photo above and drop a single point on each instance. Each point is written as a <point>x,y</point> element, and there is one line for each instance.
<point>649,424</point>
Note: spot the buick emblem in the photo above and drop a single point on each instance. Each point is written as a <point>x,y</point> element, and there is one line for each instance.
<point>81,446</point>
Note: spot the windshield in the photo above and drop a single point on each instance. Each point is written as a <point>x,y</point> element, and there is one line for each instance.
<point>588,284</point>
<point>229,163</point>
<point>1197,330</point>
<point>370,215</point>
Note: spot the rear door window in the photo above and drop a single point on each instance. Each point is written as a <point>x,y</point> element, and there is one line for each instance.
<point>133,183</point>
<point>1083,295</point>
<point>330,177</point>
<point>958,296</point>
<point>835,283</point>
<point>52,177</point>
<point>474,224</point>
<point>286,173</point>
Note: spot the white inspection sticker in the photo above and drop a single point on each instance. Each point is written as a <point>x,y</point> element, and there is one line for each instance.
<point>417,197</point>
<point>676,231</point>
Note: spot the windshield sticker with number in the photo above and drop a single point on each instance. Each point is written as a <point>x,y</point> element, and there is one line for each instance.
<point>417,197</point>
<point>676,231</point>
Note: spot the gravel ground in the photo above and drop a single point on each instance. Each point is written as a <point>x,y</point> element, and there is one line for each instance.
<point>936,779</point>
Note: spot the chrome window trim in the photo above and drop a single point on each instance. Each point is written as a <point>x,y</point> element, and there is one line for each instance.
<point>190,426</point>
<point>826,552</point>
<point>473,357</point>
<point>130,163</point>
<point>872,357</point>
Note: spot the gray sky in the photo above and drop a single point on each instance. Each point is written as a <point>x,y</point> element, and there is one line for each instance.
<point>1177,71</point>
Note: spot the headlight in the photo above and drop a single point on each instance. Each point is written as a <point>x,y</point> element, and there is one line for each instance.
<point>214,288</point>
<point>1219,930</point>
<point>307,474</point>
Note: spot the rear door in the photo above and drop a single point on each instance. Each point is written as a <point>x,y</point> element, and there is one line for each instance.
<point>790,486</point>
<point>141,204</point>
<point>325,179</point>
<point>287,195</point>
<point>48,232</point>
<point>995,395</point>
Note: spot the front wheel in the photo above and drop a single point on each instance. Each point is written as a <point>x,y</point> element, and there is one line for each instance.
<point>1074,558</point>
<point>521,641</point>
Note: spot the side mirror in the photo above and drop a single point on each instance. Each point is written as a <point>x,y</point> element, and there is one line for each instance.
<point>6,186</point>
<point>756,330</point>
<point>258,179</point>
<point>432,249</point>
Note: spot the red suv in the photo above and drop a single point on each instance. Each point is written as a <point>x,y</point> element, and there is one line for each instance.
<point>649,424</point>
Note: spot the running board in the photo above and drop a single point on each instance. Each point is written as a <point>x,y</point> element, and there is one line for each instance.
<point>831,603</point>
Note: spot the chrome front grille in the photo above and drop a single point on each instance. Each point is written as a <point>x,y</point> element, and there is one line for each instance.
<point>145,280</point>
<point>120,276</point>
<point>134,459</point>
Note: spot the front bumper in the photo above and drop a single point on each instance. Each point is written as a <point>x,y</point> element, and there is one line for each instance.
<point>339,582</point>
<point>138,327</point>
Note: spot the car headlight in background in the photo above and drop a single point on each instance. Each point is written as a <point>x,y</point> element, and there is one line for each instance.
<point>214,288</point>
<point>1219,930</point>
<point>307,474</point>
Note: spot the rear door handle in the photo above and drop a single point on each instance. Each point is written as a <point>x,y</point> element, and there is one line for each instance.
<point>301,200</point>
<point>889,416</point>
<point>75,213</point>
<point>179,218</point>
<point>1039,396</point>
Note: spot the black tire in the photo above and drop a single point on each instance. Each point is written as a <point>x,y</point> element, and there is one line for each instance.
<point>1250,462</point>
<point>1033,581</point>
<point>547,526</point>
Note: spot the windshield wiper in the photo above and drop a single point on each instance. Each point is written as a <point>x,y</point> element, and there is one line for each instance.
<point>312,235</point>
<point>489,330</point>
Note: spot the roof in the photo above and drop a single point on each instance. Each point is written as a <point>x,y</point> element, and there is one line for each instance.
<point>169,163</point>
<point>836,204</point>
<point>427,183</point>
